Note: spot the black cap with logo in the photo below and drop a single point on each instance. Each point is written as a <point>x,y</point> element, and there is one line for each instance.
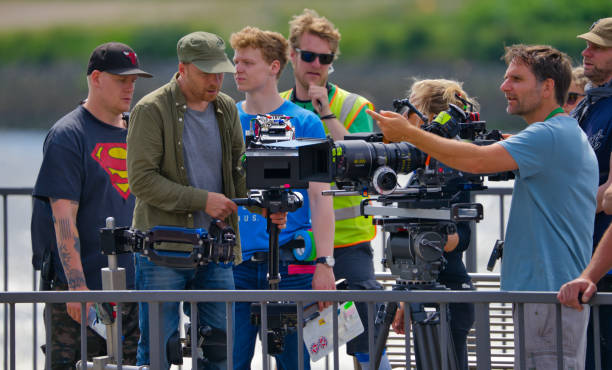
<point>115,58</point>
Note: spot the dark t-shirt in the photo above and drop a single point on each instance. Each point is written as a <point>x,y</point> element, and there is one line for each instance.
<point>597,125</point>
<point>84,161</point>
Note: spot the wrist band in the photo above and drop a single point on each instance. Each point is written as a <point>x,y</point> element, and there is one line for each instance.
<point>329,116</point>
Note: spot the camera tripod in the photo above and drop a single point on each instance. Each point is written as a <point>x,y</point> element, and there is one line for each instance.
<point>426,330</point>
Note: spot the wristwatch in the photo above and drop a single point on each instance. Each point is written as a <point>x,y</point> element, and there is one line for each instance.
<point>328,260</point>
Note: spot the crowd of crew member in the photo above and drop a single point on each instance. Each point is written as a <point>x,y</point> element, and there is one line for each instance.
<point>175,161</point>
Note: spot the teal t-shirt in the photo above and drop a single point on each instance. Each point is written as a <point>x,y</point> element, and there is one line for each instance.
<point>550,226</point>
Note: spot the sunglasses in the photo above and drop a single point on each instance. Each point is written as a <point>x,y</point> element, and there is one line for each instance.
<point>572,97</point>
<point>310,56</point>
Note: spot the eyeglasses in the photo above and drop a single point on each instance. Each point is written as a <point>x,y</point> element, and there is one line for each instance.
<point>572,97</point>
<point>310,56</point>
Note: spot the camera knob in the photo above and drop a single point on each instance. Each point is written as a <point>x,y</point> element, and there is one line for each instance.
<point>384,180</point>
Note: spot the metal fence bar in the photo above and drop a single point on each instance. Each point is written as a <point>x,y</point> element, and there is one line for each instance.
<point>521,332</point>
<point>300,336</point>
<point>335,335</point>
<point>371,342</point>
<point>195,328</point>
<point>34,325</point>
<point>596,337</point>
<point>48,328</point>
<point>84,314</point>
<point>264,334</point>
<point>444,334</point>
<point>119,329</point>
<point>156,336</point>
<point>5,273</point>
<point>407,332</point>
<point>559,329</point>
<point>483,336</point>
<point>12,338</point>
<point>229,314</point>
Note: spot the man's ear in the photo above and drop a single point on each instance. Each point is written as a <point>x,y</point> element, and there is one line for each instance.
<point>181,68</point>
<point>94,77</point>
<point>548,88</point>
<point>275,67</point>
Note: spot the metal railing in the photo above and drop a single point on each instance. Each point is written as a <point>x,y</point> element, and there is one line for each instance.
<point>499,324</point>
<point>5,193</point>
<point>481,299</point>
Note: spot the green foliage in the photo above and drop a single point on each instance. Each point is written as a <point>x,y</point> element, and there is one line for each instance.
<point>401,30</point>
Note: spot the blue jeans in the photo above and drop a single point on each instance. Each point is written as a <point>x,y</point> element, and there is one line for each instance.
<point>251,275</point>
<point>150,276</point>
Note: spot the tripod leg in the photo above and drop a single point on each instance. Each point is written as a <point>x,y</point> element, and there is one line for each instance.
<point>383,335</point>
<point>427,333</point>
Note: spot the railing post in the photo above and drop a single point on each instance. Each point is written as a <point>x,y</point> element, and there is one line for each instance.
<point>229,315</point>
<point>483,336</point>
<point>5,274</point>
<point>335,332</point>
<point>371,351</point>
<point>559,324</point>
<point>596,337</point>
<point>300,332</point>
<point>156,336</point>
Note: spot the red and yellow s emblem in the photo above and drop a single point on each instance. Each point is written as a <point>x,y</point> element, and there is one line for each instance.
<point>111,156</point>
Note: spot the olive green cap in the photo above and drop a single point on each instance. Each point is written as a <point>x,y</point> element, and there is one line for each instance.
<point>206,51</point>
<point>600,33</point>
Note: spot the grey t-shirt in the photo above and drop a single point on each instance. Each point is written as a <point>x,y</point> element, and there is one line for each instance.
<point>202,153</point>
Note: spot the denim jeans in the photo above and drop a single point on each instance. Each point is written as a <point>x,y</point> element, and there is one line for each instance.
<point>252,276</point>
<point>150,276</point>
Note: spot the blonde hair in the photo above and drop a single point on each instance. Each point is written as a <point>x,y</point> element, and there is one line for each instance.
<point>311,22</point>
<point>433,96</point>
<point>579,78</point>
<point>273,45</point>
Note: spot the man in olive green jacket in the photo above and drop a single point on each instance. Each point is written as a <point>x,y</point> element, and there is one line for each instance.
<point>184,148</point>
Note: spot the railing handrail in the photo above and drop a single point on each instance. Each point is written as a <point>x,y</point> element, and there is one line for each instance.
<point>16,191</point>
<point>291,295</point>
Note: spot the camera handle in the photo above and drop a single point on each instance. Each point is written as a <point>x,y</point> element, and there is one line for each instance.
<point>273,200</point>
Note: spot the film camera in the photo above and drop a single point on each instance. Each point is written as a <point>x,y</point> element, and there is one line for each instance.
<point>418,217</point>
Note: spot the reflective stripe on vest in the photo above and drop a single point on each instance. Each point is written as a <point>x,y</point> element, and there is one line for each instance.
<point>346,213</point>
<point>347,106</point>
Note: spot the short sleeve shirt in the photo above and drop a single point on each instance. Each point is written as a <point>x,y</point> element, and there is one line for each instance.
<point>84,160</point>
<point>553,206</point>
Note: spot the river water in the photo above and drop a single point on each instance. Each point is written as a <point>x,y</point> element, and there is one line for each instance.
<point>20,159</point>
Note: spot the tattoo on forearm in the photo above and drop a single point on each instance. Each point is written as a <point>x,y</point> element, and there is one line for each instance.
<point>64,254</point>
<point>77,244</point>
<point>63,225</point>
<point>75,278</point>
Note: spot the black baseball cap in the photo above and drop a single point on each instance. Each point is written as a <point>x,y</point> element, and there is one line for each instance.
<point>115,58</point>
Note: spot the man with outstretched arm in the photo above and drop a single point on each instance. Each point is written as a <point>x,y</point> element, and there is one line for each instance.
<point>553,204</point>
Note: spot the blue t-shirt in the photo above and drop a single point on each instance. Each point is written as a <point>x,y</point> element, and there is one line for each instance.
<point>553,206</point>
<point>84,161</point>
<point>253,234</point>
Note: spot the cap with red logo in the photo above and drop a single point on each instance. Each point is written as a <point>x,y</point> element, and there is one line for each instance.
<point>115,58</point>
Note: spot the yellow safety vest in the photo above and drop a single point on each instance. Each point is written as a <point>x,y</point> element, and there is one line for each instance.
<point>351,228</point>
